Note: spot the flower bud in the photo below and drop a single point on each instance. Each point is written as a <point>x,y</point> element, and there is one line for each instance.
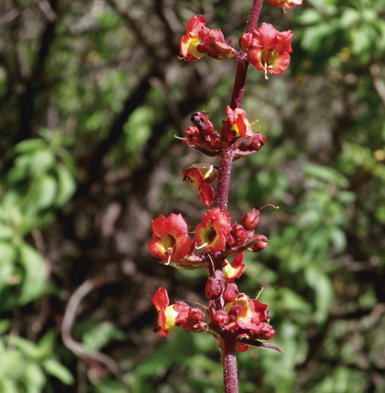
<point>249,145</point>
<point>251,219</point>
<point>213,288</point>
<point>202,122</point>
<point>220,318</point>
<point>230,293</point>
<point>260,242</point>
<point>236,310</point>
<point>238,235</point>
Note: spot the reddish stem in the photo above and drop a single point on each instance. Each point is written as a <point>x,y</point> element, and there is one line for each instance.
<point>229,361</point>
<point>224,179</point>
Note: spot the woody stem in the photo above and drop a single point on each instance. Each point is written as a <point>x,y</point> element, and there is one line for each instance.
<point>229,361</point>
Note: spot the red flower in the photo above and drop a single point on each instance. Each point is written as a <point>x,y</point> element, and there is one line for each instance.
<point>268,49</point>
<point>199,40</point>
<point>166,313</point>
<point>196,28</point>
<point>250,315</point>
<point>200,176</point>
<point>212,231</point>
<point>170,240</point>
<point>285,3</point>
<point>236,124</point>
<point>177,314</point>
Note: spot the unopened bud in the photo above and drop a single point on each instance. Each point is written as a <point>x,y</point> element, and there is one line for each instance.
<point>202,122</point>
<point>238,235</point>
<point>260,242</point>
<point>251,219</point>
<point>236,310</point>
<point>213,288</point>
<point>230,293</point>
<point>220,318</point>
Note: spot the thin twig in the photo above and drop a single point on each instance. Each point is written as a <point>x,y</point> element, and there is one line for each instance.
<point>69,319</point>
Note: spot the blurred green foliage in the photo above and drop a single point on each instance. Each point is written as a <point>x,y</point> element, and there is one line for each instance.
<point>90,98</point>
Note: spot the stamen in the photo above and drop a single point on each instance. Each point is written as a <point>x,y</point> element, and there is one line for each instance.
<point>168,260</point>
<point>269,205</point>
<point>202,246</point>
<point>212,262</point>
<point>266,68</point>
<point>254,122</point>
<point>178,137</point>
<point>209,172</point>
<point>261,290</point>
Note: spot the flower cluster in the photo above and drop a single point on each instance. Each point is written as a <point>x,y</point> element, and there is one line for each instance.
<point>236,131</point>
<point>217,243</point>
<point>215,233</point>
<point>267,49</point>
<point>171,243</point>
<point>177,314</point>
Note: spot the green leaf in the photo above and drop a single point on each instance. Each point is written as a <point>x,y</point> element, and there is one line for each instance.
<point>31,164</point>
<point>34,378</point>
<point>30,145</point>
<point>5,324</point>
<point>7,255</point>
<point>8,386</point>
<point>66,185</point>
<point>309,17</point>
<point>314,36</point>
<point>349,17</point>
<point>34,274</point>
<point>6,232</point>
<point>44,192</point>
<point>56,369</point>
<point>338,238</point>
<point>323,289</point>
<point>28,348</point>
<point>46,343</point>
<point>290,301</point>
<point>98,336</point>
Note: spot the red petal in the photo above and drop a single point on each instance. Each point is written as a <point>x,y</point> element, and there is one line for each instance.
<point>160,300</point>
<point>206,194</point>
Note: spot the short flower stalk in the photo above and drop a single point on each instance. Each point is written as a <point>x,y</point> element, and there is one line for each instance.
<point>218,244</point>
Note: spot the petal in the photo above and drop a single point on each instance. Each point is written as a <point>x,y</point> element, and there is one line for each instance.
<point>157,226</point>
<point>175,225</point>
<point>206,194</point>
<point>160,300</point>
<point>197,25</point>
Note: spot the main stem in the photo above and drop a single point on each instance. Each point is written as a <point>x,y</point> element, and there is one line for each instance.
<point>229,360</point>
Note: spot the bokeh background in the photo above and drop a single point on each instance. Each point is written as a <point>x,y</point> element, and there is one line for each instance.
<point>91,96</point>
